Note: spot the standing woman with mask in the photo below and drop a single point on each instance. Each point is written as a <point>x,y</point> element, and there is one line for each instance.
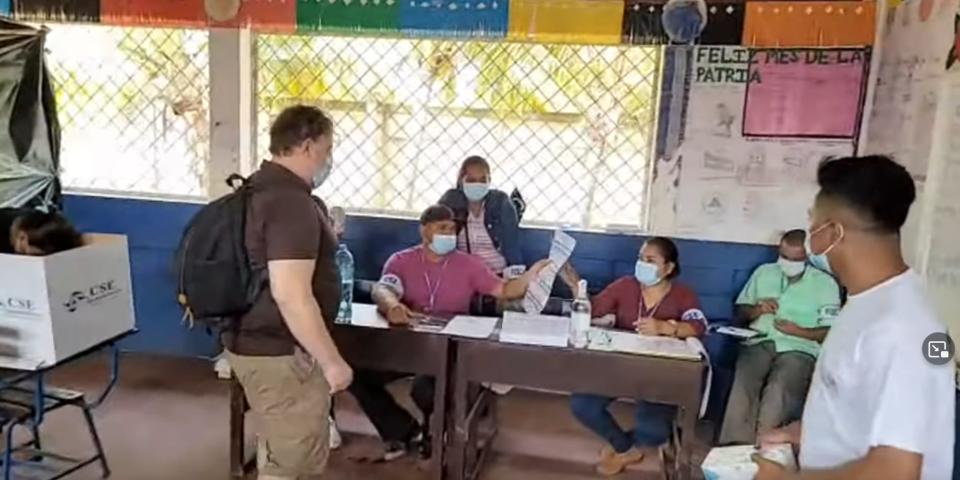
<point>487,221</point>
<point>651,303</point>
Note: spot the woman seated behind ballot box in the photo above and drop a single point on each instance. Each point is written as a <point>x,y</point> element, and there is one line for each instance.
<point>649,302</point>
<point>33,232</point>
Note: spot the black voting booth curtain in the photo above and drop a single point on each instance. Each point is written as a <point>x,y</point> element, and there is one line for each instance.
<point>643,24</point>
<point>29,131</point>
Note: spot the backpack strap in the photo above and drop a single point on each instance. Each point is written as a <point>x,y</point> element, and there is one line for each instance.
<point>236,181</point>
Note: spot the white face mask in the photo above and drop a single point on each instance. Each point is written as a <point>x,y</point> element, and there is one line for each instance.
<point>323,174</point>
<point>646,273</point>
<point>475,191</point>
<point>791,268</point>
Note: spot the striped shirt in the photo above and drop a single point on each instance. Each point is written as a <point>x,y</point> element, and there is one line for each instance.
<point>481,244</point>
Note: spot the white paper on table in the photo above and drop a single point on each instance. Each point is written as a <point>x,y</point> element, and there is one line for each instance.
<point>471,327</point>
<point>631,342</point>
<point>533,329</point>
<point>367,316</point>
<point>634,343</point>
<point>539,290</point>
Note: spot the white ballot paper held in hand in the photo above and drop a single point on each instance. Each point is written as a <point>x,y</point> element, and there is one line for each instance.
<point>539,290</point>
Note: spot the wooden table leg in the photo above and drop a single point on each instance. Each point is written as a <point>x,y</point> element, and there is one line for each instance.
<point>456,454</point>
<point>438,424</point>
<point>238,407</point>
<point>689,416</point>
<point>688,425</point>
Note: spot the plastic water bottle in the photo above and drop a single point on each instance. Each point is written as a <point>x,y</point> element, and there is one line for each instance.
<point>580,315</point>
<point>345,267</point>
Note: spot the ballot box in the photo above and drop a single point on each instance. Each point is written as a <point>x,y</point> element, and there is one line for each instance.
<point>56,306</point>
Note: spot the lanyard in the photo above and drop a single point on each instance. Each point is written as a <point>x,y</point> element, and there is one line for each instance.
<point>653,310</point>
<point>432,288</point>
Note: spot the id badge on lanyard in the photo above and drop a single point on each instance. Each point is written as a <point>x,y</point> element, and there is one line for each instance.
<point>433,288</point>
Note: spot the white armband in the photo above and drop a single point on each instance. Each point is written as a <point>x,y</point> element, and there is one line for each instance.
<point>694,314</point>
<point>393,283</point>
<point>827,313</point>
<point>514,271</point>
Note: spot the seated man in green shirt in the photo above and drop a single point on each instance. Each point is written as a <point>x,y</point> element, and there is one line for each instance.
<point>791,304</point>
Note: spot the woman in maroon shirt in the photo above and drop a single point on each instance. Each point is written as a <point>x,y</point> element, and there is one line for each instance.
<point>651,303</point>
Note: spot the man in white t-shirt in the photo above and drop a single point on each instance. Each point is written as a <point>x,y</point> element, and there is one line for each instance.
<point>876,408</point>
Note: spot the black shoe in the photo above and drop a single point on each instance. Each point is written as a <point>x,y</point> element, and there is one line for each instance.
<point>395,450</point>
<point>399,449</point>
<point>426,448</point>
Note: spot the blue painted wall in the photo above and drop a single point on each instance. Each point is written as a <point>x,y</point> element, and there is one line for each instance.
<point>715,270</point>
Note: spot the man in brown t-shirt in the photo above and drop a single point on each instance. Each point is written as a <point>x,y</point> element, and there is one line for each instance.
<point>281,350</point>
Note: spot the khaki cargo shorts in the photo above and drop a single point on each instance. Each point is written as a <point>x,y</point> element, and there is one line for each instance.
<point>290,399</point>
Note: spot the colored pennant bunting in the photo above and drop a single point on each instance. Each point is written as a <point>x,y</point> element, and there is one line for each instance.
<point>764,24</point>
<point>809,24</point>
<point>57,10</point>
<point>566,21</point>
<point>454,18</point>
<point>642,24</point>
<point>351,16</point>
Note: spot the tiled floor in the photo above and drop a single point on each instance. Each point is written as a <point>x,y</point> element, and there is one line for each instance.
<point>168,420</point>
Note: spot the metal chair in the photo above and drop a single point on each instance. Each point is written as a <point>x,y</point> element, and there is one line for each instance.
<point>20,407</point>
<point>25,399</point>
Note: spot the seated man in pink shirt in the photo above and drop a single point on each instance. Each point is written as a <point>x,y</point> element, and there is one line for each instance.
<point>432,280</point>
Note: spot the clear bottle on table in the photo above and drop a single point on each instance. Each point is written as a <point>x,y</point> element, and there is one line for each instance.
<point>344,261</point>
<point>580,316</point>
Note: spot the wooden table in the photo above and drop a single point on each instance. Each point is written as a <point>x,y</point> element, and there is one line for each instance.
<point>406,351</point>
<point>662,380</point>
<point>370,344</point>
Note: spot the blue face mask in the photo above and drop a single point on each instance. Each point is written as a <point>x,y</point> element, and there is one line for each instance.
<point>443,244</point>
<point>820,260</point>
<point>322,174</point>
<point>646,273</point>
<point>476,191</point>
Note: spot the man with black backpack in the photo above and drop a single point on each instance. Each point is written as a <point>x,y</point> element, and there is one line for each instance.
<point>281,350</point>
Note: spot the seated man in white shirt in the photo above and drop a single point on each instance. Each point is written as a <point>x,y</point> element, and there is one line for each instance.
<point>876,408</point>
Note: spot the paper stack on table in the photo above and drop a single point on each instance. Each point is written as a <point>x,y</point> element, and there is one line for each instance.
<point>532,329</point>
<point>631,342</point>
<point>539,290</point>
<point>734,463</point>
<point>471,327</point>
<point>365,315</point>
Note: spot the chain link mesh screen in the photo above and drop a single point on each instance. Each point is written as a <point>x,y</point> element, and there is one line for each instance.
<point>570,126</point>
<point>133,107</point>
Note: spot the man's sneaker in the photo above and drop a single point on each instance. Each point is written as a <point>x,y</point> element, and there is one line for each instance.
<point>336,440</point>
<point>395,450</point>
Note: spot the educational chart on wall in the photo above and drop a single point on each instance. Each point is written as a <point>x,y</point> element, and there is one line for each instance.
<point>732,187</point>
<point>805,93</point>
<point>940,221</point>
<point>919,46</point>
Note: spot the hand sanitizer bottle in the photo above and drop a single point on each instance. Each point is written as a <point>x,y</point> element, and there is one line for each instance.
<point>580,315</point>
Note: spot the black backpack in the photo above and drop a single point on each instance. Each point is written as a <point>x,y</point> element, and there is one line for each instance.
<point>216,281</point>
